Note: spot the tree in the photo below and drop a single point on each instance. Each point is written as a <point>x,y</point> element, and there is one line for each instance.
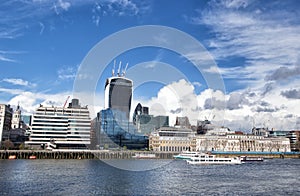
<point>106,146</point>
<point>7,144</point>
<point>22,146</point>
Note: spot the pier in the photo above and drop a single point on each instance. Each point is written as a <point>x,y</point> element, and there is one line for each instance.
<point>266,155</point>
<point>78,154</point>
<point>105,154</point>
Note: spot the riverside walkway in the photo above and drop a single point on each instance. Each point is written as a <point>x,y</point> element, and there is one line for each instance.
<point>126,154</point>
<point>78,154</point>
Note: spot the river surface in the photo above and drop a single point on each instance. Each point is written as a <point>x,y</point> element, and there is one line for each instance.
<point>94,177</point>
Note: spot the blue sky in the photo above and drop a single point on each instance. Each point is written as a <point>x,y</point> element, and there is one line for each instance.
<point>255,45</point>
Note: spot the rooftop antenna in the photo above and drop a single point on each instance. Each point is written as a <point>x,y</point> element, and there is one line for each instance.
<point>124,71</point>
<point>119,68</point>
<point>113,70</point>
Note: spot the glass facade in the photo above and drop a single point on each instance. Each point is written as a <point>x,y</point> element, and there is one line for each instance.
<point>118,94</point>
<point>113,130</point>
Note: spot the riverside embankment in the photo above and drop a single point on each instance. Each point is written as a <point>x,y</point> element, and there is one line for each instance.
<point>77,154</point>
<point>105,154</point>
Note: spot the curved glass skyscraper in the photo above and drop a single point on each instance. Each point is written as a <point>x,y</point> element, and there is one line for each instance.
<point>118,94</point>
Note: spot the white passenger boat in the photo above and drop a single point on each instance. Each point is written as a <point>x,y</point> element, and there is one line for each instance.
<point>186,155</point>
<point>208,159</point>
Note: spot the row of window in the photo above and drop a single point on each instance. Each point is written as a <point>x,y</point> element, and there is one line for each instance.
<point>36,126</point>
<point>174,148</point>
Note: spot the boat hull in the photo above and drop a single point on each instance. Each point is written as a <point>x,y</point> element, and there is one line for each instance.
<point>208,159</point>
<point>245,159</point>
<point>213,163</point>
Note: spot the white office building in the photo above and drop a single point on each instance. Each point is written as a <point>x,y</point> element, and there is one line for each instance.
<point>65,127</point>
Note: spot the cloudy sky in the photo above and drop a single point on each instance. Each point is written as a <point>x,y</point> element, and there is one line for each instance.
<point>254,46</point>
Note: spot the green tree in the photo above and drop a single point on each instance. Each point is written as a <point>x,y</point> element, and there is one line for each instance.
<point>22,146</point>
<point>105,146</point>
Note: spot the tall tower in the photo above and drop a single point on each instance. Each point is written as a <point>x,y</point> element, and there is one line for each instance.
<point>118,93</point>
<point>16,119</point>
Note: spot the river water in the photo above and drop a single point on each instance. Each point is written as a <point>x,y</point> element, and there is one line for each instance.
<point>94,177</point>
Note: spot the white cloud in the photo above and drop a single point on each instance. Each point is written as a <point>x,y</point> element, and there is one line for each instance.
<point>28,12</point>
<point>30,101</point>
<point>64,5</point>
<point>197,84</point>
<point>266,40</point>
<point>67,73</point>
<point>235,3</point>
<point>18,81</point>
<point>3,58</point>
<point>239,110</point>
<point>11,91</point>
<point>212,69</point>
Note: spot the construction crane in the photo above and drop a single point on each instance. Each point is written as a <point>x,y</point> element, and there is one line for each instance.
<point>66,102</point>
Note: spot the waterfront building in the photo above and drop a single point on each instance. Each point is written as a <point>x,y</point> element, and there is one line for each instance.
<point>172,139</point>
<point>5,120</point>
<point>242,143</point>
<point>66,127</point>
<point>210,137</point>
<point>112,128</point>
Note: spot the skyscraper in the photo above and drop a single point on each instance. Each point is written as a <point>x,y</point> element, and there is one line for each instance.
<point>112,128</point>
<point>118,94</point>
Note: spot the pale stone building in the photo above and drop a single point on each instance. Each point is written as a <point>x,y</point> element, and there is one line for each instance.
<point>241,142</point>
<point>172,139</point>
<point>16,119</point>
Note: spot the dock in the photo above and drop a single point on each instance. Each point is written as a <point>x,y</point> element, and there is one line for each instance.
<point>128,154</point>
<point>78,154</point>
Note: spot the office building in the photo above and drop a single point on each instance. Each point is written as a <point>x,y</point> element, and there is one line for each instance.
<point>146,123</point>
<point>65,127</point>
<point>118,94</point>
<point>182,122</point>
<point>111,131</point>
<point>172,139</point>
<point>294,137</point>
<point>112,128</point>
<point>5,120</point>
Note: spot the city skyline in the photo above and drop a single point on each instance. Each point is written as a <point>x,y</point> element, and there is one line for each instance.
<point>255,46</point>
